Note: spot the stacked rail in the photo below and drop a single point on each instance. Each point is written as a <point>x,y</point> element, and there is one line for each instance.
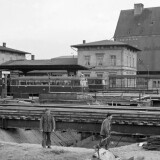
<point>84,118</point>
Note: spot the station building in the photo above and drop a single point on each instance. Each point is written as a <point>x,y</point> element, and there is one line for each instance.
<point>106,57</point>
<point>96,59</point>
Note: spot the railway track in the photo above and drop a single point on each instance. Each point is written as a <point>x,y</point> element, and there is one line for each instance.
<point>85,112</point>
<point>96,106</point>
<point>128,118</point>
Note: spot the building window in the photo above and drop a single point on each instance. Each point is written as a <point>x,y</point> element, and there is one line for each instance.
<point>133,62</point>
<point>158,85</point>
<point>129,61</point>
<point>100,75</point>
<point>112,82</point>
<point>112,73</point>
<point>154,84</point>
<point>113,60</point>
<point>99,60</point>
<point>87,75</point>
<point>87,60</point>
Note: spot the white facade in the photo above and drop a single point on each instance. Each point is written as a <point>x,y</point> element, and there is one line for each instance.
<point>104,61</point>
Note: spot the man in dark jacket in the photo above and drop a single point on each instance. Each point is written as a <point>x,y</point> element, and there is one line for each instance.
<point>47,125</point>
<point>105,132</point>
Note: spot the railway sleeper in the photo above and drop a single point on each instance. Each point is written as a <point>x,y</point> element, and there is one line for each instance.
<point>126,119</point>
<point>157,124</point>
<point>145,123</point>
<point>141,123</point>
<point>37,118</point>
<point>134,123</point>
<point>150,124</point>
<point>23,117</point>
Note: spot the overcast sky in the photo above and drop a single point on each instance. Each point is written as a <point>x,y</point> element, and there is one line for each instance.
<point>47,28</point>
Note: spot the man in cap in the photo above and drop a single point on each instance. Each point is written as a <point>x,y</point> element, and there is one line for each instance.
<point>47,125</point>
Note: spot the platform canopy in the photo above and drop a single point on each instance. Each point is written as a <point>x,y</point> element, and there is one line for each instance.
<point>69,64</point>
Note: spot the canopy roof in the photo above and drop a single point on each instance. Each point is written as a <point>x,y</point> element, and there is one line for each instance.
<point>69,64</point>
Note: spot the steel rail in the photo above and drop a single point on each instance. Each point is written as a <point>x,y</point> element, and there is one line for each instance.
<point>102,113</point>
<point>118,115</point>
<point>143,108</point>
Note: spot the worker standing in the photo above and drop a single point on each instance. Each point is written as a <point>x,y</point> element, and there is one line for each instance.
<point>105,132</point>
<point>47,125</point>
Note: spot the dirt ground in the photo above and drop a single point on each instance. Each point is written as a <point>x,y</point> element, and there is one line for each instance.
<point>135,151</point>
<point>15,151</point>
<point>25,151</point>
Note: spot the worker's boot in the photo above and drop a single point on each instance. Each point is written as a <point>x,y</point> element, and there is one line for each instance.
<point>97,146</point>
<point>106,146</point>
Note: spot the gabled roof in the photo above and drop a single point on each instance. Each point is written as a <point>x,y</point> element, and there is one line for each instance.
<point>147,23</point>
<point>51,64</point>
<point>2,48</point>
<point>108,43</point>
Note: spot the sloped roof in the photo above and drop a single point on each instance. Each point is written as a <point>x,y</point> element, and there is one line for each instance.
<point>2,48</point>
<point>51,64</point>
<point>65,60</point>
<point>147,23</point>
<point>68,56</point>
<point>55,61</point>
<point>105,43</point>
<point>46,71</point>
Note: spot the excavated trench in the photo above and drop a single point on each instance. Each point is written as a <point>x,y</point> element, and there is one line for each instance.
<point>68,138</point>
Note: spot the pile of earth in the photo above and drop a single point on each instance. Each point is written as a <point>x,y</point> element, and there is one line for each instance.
<point>58,138</point>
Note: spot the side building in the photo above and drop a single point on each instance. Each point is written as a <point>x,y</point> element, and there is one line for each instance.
<point>140,27</point>
<point>7,54</point>
<point>107,57</point>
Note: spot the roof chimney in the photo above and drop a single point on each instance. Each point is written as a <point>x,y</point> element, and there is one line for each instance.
<point>32,57</point>
<point>84,41</point>
<point>4,44</point>
<point>138,8</point>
